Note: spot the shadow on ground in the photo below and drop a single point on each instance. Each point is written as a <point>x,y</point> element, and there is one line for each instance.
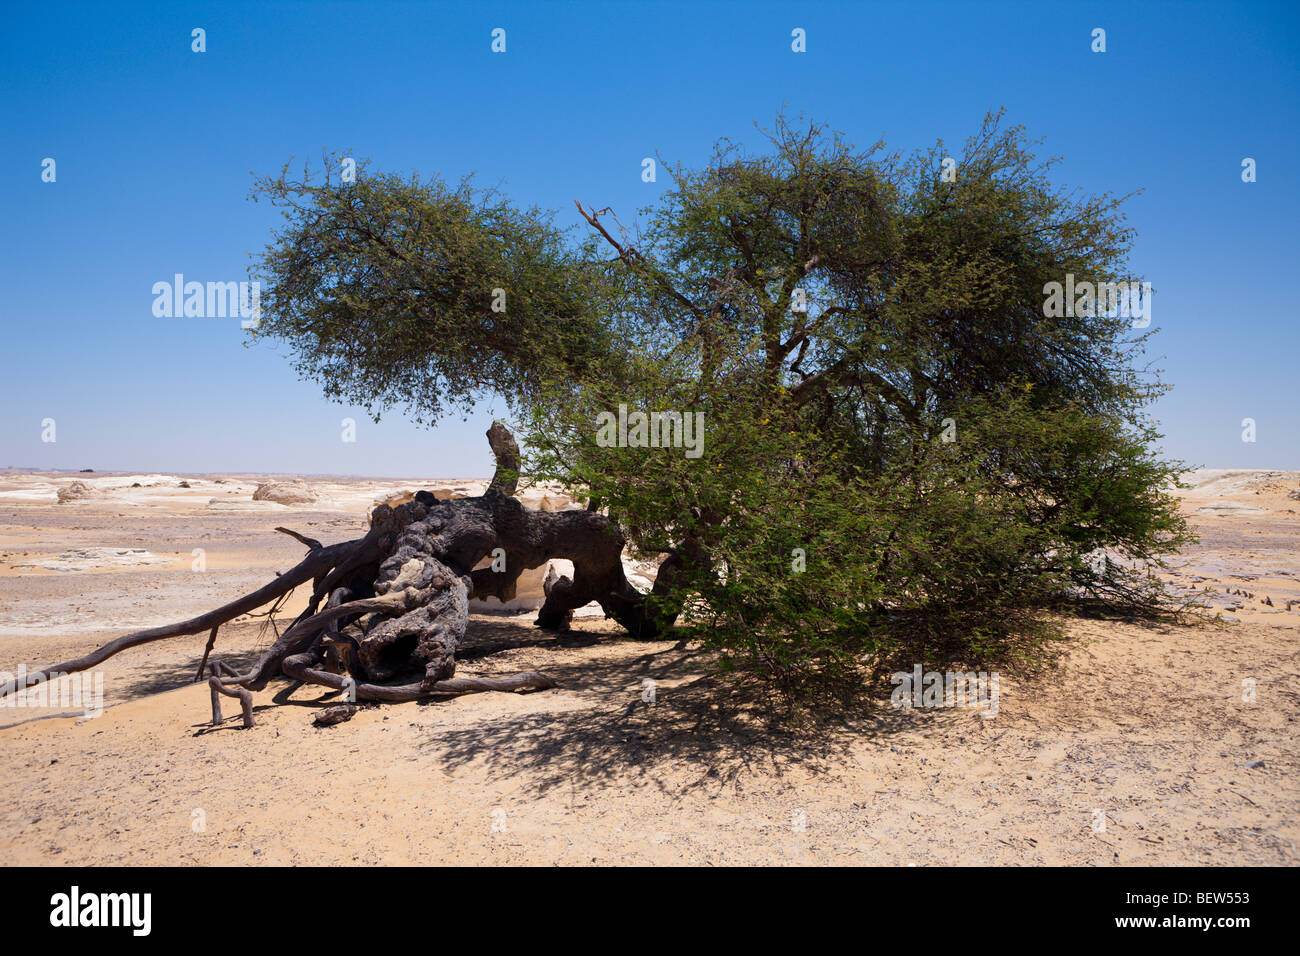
<point>600,727</point>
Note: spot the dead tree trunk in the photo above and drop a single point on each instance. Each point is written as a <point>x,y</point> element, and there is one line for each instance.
<point>388,610</point>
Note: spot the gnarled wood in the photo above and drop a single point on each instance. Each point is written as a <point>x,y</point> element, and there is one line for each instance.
<point>396,601</point>
<point>309,567</point>
<point>506,451</point>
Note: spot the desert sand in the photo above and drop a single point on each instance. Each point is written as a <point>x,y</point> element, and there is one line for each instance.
<point>1141,749</point>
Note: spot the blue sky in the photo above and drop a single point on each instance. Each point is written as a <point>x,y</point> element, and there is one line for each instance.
<point>154,145</point>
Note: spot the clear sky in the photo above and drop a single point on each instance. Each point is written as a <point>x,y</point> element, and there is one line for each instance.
<point>154,145</point>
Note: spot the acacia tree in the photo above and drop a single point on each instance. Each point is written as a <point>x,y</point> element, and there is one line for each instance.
<point>898,443</point>
<point>901,445</point>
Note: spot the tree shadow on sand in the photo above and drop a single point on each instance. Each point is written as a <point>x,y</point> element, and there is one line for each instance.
<point>698,726</point>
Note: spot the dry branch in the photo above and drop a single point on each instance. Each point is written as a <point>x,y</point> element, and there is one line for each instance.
<point>396,601</point>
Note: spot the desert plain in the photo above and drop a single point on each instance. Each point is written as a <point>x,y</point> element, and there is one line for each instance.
<point>1150,744</point>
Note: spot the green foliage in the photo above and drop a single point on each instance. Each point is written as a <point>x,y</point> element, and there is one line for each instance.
<point>918,462</point>
<point>383,289</point>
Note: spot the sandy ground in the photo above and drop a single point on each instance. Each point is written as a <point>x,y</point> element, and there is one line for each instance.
<point>1146,747</point>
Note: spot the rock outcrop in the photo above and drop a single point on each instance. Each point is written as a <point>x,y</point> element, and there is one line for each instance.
<point>75,492</point>
<point>293,492</point>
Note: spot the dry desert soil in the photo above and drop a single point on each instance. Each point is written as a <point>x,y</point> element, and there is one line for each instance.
<point>1146,747</point>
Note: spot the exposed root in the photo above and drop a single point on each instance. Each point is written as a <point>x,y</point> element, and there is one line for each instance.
<point>313,564</point>
<point>301,667</point>
<point>244,696</point>
<point>311,543</point>
<point>389,610</point>
<point>212,641</point>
